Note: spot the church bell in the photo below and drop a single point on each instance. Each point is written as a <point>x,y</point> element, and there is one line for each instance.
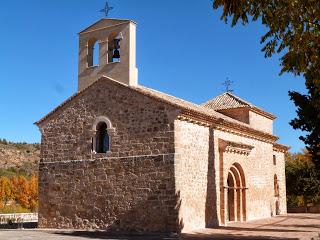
<point>116,54</point>
<point>116,42</point>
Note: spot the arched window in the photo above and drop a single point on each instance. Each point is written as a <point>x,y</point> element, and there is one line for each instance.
<point>102,138</point>
<point>93,52</point>
<point>102,128</point>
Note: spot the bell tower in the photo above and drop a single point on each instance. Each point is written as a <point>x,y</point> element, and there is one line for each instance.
<point>108,48</point>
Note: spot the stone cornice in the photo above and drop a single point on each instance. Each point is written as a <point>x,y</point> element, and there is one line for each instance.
<point>226,126</point>
<point>100,156</point>
<point>277,147</point>
<point>234,147</point>
<point>198,121</point>
<point>263,113</point>
<point>245,131</point>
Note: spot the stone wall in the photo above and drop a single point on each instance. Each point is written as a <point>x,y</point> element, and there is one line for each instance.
<point>116,194</point>
<point>255,120</point>
<point>240,114</point>
<point>193,172</point>
<point>142,126</point>
<point>311,209</point>
<point>259,174</point>
<point>279,170</point>
<point>129,188</point>
<point>260,122</point>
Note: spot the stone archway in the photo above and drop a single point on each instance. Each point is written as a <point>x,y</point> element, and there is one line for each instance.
<point>236,195</point>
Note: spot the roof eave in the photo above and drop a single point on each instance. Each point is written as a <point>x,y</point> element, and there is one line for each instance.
<point>263,113</point>
<point>281,147</point>
<point>124,21</point>
<point>186,110</point>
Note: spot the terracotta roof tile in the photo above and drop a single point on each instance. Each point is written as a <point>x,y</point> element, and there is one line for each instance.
<point>229,101</point>
<point>178,101</point>
<point>226,101</point>
<point>166,98</point>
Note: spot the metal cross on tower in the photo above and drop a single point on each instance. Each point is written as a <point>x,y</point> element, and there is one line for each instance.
<point>106,9</point>
<point>227,83</point>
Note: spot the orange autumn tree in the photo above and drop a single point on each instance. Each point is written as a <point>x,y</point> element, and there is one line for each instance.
<point>25,192</point>
<point>33,193</point>
<point>21,190</point>
<point>6,191</point>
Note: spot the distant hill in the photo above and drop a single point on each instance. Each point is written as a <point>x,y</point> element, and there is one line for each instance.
<point>18,158</point>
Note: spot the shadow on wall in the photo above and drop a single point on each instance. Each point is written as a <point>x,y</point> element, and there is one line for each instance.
<point>150,217</point>
<point>120,230</point>
<point>211,217</point>
<point>140,197</point>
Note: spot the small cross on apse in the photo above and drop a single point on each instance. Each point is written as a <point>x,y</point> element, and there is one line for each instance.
<point>227,83</point>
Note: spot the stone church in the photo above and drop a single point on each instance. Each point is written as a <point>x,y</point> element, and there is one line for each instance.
<point>119,156</point>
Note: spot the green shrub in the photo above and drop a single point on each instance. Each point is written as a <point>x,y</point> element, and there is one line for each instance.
<point>15,208</point>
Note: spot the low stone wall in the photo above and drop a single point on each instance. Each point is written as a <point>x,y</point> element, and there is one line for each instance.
<point>18,217</point>
<point>18,220</point>
<point>303,210</point>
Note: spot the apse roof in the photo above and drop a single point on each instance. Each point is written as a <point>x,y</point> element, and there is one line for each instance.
<point>228,100</point>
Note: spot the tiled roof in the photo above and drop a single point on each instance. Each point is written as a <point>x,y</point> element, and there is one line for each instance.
<point>182,103</point>
<point>229,101</point>
<point>155,94</point>
<point>185,106</point>
<point>226,101</point>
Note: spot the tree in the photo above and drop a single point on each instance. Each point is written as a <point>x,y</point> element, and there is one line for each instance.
<point>293,30</point>
<point>302,178</point>
<point>33,193</point>
<point>6,193</point>
<point>21,191</point>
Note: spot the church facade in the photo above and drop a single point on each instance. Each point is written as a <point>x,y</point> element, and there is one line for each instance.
<point>119,156</point>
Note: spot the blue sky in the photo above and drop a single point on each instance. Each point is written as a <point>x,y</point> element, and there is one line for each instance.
<point>182,49</point>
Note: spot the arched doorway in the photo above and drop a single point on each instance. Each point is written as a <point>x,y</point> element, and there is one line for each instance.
<point>236,195</point>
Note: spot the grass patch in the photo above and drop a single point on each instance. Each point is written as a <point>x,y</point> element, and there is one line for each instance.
<point>26,170</point>
<point>15,208</point>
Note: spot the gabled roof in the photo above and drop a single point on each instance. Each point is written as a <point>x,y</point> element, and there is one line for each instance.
<point>226,101</point>
<point>148,92</point>
<point>187,108</point>
<point>229,101</point>
<point>105,22</point>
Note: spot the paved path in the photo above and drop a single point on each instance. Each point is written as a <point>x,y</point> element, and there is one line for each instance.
<point>293,226</point>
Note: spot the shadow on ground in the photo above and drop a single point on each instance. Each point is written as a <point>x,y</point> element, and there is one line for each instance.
<point>274,230</point>
<point>293,226</point>
<point>216,236</point>
<point>186,236</point>
<point>104,235</point>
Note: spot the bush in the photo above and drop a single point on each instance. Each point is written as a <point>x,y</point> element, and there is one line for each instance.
<point>15,208</point>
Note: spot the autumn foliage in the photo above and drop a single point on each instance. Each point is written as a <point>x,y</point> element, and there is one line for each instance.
<point>19,190</point>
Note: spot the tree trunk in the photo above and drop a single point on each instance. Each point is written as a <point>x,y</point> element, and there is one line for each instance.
<point>305,203</point>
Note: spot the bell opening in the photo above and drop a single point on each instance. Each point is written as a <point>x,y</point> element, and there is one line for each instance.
<point>116,55</point>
